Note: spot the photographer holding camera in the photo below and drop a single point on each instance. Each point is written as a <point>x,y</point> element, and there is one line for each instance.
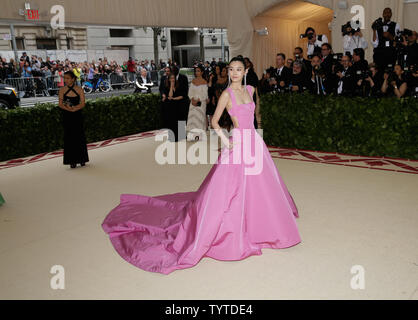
<point>353,39</point>
<point>360,66</point>
<point>319,81</point>
<point>370,84</point>
<point>282,74</point>
<point>384,35</point>
<point>314,41</point>
<point>345,77</point>
<point>409,52</point>
<point>298,81</point>
<point>395,82</point>
<point>298,56</point>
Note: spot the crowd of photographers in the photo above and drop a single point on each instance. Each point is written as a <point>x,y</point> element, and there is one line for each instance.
<point>392,73</point>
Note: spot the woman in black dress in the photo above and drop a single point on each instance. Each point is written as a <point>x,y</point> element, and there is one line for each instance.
<point>211,106</point>
<point>222,82</point>
<point>172,105</point>
<point>71,101</point>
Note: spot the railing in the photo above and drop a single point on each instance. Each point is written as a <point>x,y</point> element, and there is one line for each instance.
<point>39,86</point>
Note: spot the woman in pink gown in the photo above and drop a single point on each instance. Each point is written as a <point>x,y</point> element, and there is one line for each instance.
<point>242,206</point>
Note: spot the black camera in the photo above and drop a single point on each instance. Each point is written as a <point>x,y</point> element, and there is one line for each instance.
<point>309,35</point>
<point>390,71</point>
<point>199,103</point>
<point>377,24</point>
<point>363,74</point>
<point>318,71</point>
<point>389,68</point>
<point>347,29</point>
<point>337,57</point>
<point>401,36</point>
<point>338,68</point>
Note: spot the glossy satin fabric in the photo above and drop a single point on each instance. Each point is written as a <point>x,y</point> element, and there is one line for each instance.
<point>231,216</point>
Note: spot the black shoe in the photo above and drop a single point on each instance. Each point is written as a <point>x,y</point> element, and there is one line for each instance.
<point>73,165</point>
<point>82,164</point>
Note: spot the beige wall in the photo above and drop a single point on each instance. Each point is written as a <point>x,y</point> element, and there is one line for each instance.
<point>410,14</point>
<point>283,37</point>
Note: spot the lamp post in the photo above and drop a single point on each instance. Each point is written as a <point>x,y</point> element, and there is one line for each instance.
<point>212,35</point>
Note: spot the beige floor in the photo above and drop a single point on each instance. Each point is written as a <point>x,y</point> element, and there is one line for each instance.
<point>348,216</point>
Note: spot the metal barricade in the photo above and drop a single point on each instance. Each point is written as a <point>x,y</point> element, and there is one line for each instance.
<point>48,85</point>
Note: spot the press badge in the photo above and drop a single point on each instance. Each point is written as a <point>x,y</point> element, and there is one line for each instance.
<point>385,28</point>
<point>387,44</point>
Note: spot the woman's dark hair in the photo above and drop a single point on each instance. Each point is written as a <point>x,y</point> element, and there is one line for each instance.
<point>167,81</point>
<point>239,58</point>
<point>309,29</point>
<point>201,68</point>
<point>222,66</point>
<point>249,62</point>
<point>359,52</point>
<point>70,73</point>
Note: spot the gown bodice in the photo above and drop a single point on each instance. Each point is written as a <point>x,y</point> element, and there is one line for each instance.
<point>72,101</point>
<point>244,113</point>
<point>200,91</point>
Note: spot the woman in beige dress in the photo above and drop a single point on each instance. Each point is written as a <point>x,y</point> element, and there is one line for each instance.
<point>198,94</point>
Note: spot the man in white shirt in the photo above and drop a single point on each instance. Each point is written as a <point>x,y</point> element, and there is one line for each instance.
<point>354,41</point>
<point>315,42</point>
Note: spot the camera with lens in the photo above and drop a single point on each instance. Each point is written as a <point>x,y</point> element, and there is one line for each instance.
<point>347,29</point>
<point>363,74</point>
<point>390,70</point>
<point>377,24</point>
<point>318,71</point>
<point>337,57</point>
<point>308,35</point>
<point>401,36</point>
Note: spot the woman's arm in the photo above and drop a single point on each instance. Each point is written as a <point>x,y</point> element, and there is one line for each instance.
<point>401,90</point>
<point>61,100</point>
<point>257,108</point>
<point>385,86</point>
<point>222,103</point>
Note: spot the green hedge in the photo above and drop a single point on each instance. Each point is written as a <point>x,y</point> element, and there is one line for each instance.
<point>362,126</point>
<point>30,131</point>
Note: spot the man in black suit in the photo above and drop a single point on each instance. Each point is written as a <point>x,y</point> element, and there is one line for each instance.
<point>327,65</point>
<point>185,102</point>
<point>346,78</point>
<point>298,56</point>
<point>163,80</point>
<point>282,73</point>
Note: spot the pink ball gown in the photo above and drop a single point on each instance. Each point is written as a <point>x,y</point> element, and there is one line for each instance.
<point>233,214</point>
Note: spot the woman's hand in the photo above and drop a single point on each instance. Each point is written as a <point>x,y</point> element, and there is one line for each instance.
<point>231,145</point>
